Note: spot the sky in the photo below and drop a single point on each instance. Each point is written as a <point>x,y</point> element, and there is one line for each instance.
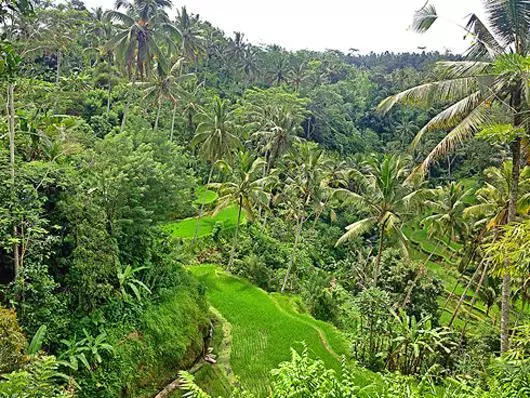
<point>367,25</point>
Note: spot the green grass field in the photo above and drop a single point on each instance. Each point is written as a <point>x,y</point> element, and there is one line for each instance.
<point>205,197</point>
<point>264,327</point>
<point>185,228</point>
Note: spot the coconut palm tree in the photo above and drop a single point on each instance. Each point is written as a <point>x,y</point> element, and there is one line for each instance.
<point>163,87</point>
<point>143,23</point>
<point>215,138</point>
<point>495,75</point>
<point>245,186</point>
<point>192,42</point>
<point>305,167</point>
<point>447,209</point>
<point>384,198</point>
<point>280,128</point>
<point>493,198</point>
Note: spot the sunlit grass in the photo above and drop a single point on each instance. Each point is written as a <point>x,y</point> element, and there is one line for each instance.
<point>226,218</point>
<point>265,327</point>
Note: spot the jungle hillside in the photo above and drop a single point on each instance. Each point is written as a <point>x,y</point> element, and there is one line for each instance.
<point>187,213</point>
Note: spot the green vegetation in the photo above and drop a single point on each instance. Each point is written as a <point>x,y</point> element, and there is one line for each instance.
<point>225,218</point>
<point>264,327</point>
<point>368,214</point>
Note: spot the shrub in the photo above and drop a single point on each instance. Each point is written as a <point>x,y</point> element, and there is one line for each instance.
<point>12,341</point>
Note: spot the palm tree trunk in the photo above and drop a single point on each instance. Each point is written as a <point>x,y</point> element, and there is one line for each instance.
<point>377,268</point>
<point>10,108</point>
<point>155,128</point>
<point>293,254</point>
<point>127,105</point>
<point>58,69</point>
<point>234,245</point>
<point>201,209</point>
<point>109,90</point>
<point>173,122</point>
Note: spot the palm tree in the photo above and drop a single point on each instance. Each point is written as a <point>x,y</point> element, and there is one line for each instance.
<point>280,128</point>
<point>385,198</point>
<point>447,208</point>
<point>495,75</point>
<point>491,212</point>
<point>245,186</point>
<point>250,63</point>
<point>215,138</point>
<point>298,74</point>
<point>305,166</point>
<point>161,88</point>
<point>192,42</point>
<point>493,198</point>
<point>135,42</point>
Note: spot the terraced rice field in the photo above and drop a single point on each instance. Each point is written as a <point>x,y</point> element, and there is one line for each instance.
<point>185,228</point>
<point>264,327</point>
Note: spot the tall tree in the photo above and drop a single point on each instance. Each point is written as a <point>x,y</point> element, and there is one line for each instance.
<point>245,186</point>
<point>305,166</point>
<point>135,42</point>
<point>215,138</point>
<point>384,198</point>
<point>495,74</point>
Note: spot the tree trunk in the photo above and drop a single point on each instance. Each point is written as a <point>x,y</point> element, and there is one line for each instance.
<point>10,108</point>
<point>155,128</point>
<point>377,268</point>
<point>293,255</point>
<point>127,105</point>
<point>109,90</point>
<point>201,209</point>
<point>58,69</point>
<point>234,245</point>
<point>173,122</point>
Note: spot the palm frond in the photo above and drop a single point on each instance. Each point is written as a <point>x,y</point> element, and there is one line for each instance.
<point>463,131</point>
<point>424,18</point>
<point>433,92</point>
<point>449,117</point>
<point>357,228</point>
<point>485,43</point>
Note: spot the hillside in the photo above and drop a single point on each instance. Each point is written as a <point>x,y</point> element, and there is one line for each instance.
<point>264,327</point>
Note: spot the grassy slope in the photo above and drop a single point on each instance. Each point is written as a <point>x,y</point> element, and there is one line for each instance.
<point>186,228</point>
<point>265,327</point>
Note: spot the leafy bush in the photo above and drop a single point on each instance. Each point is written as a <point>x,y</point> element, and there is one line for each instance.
<point>12,341</point>
<point>40,378</point>
<point>323,296</point>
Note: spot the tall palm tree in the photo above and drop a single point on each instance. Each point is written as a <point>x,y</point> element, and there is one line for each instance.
<point>215,138</point>
<point>279,130</point>
<point>384,198</point>
<point>305,166</point>
<point>496,74</point>
<point>447,209</point>
<point>493,198</point>
<point>192,42</point>
<point>135,42</point>
<point>163,87</point>
<point>245,186</point>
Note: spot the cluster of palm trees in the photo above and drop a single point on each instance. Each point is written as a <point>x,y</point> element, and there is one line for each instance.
<point>490,87</point>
